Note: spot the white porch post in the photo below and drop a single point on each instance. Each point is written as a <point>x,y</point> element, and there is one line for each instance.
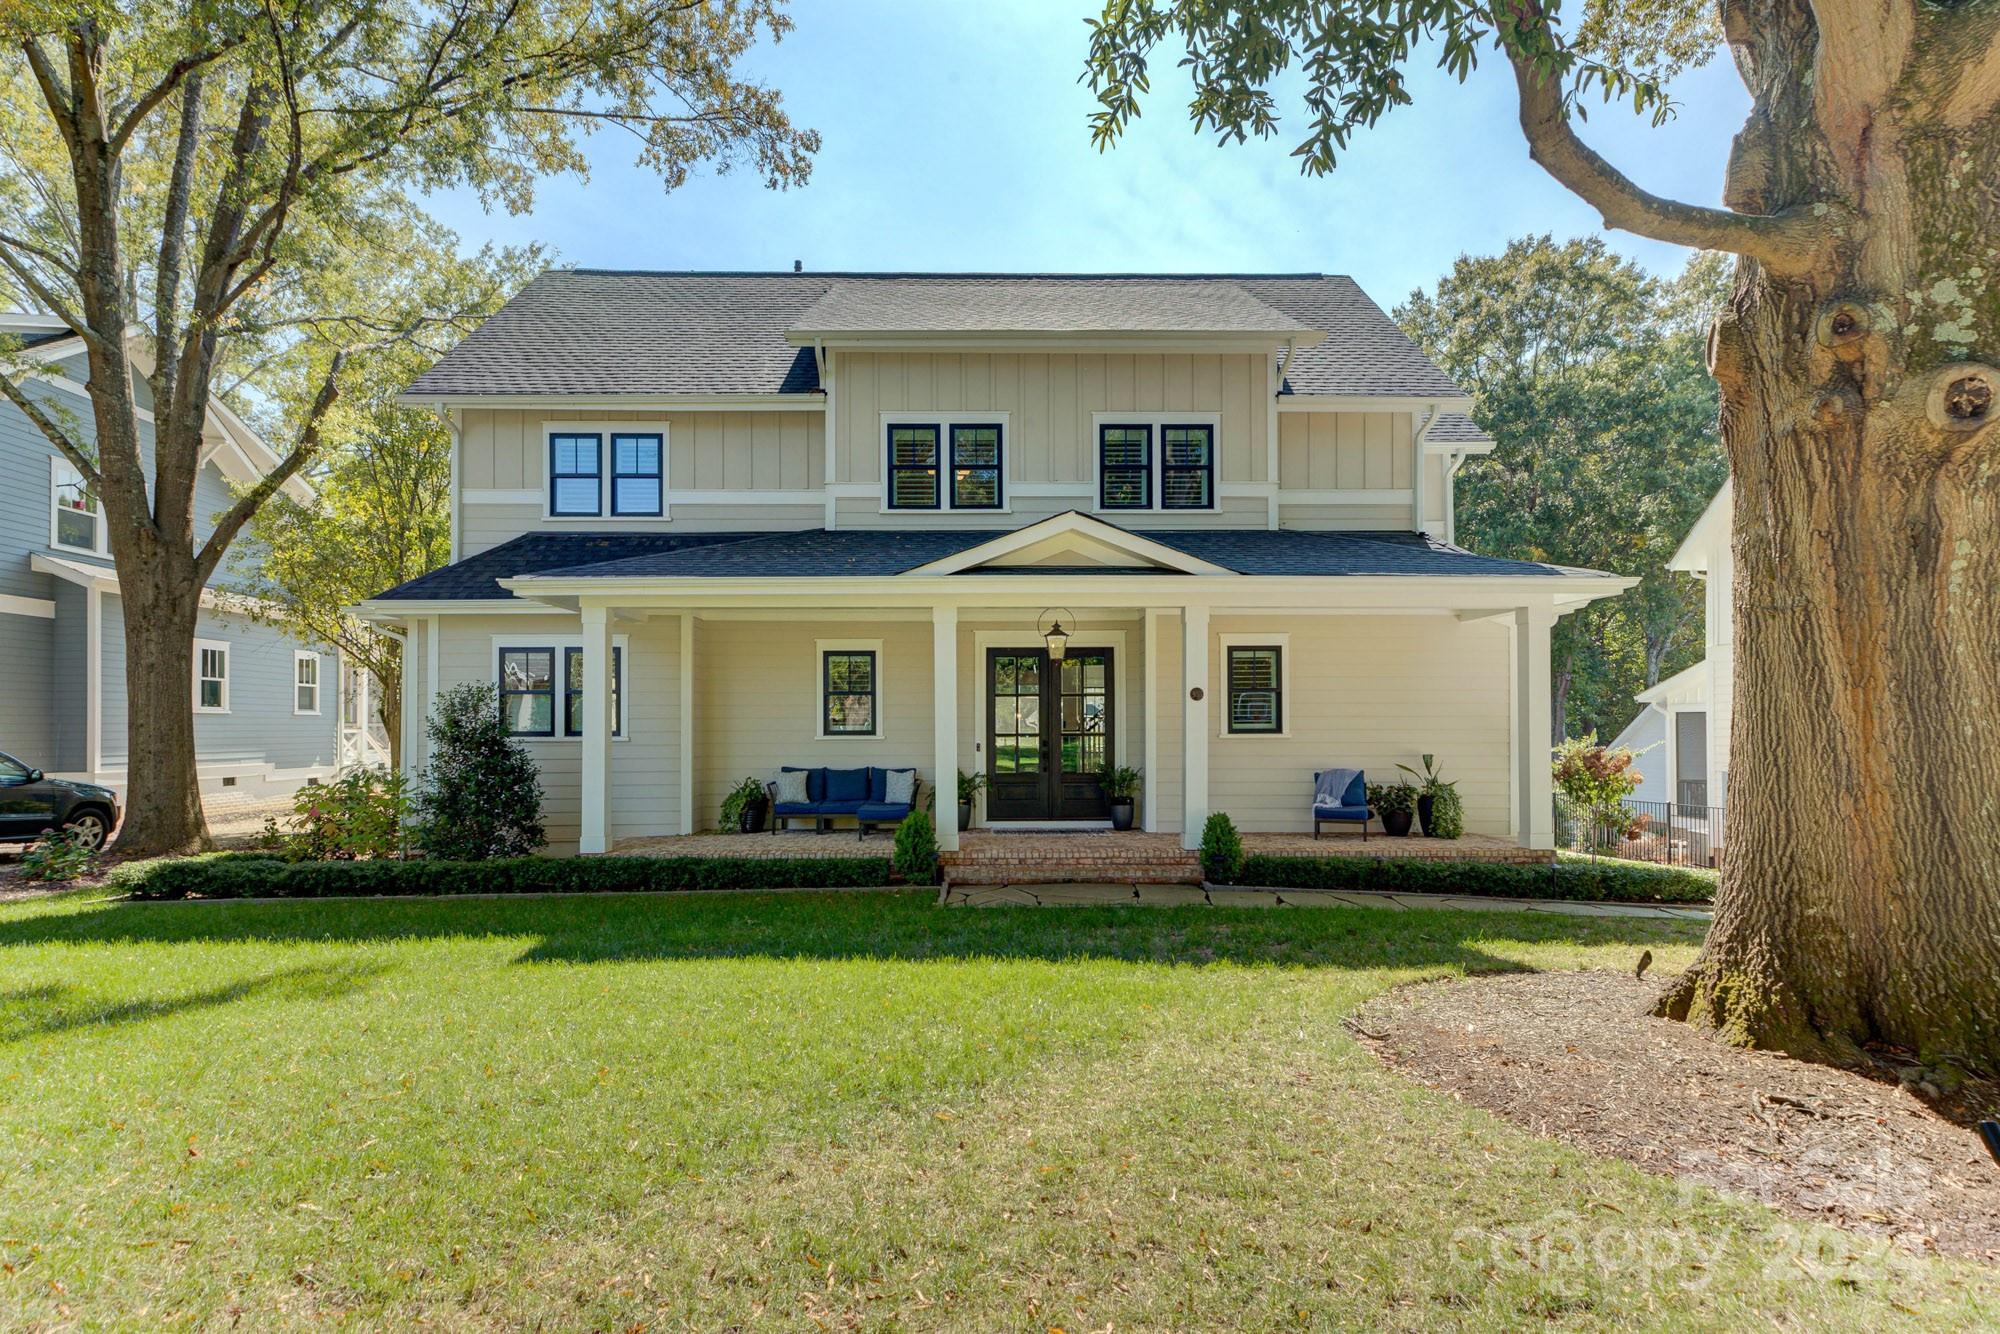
<point>944,723</point>
<point>685,704</point>
<point>1194,723</point>
<point>1534,782</point>
<point>595,832</point>
<point>1149,809</point>
<point>416,704</point>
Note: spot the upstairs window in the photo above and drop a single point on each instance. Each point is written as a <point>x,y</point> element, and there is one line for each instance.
<point>1125,467</point>
<point>1187,467</point>
<point>76,518</point>
<point>575,474</point>
<point>975,467</point>
<point>913,468</point>
<point>638,480</point>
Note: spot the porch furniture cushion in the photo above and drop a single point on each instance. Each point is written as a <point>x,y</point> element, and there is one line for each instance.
<point>884,812</point>
<point>1340,787</point>
<point>837,807</point>
<point>1340,812</point>
<point>845,785</point>
<point>815,781</point>
<point>899,789</point>
<point>792,789</point>
<point>796,808</point>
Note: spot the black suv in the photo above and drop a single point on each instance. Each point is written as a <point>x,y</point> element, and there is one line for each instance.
<point>31,802</point>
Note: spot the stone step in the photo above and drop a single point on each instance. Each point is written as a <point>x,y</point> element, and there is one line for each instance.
<point>1046,872</point>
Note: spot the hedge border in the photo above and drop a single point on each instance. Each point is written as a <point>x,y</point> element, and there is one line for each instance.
<point>1601,881</point>
<point>236,875</point>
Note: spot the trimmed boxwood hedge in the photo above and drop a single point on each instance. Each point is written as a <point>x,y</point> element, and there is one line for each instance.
<point>236,875</point>
<point>1599,879</point>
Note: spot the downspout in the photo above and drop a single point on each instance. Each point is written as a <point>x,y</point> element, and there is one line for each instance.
<point>455,511</point>
<point>829,430</point>
<point>1434,412</point>
<point>1277,388</point>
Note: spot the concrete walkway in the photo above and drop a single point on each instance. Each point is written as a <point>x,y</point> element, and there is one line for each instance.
<point>1167,896</point>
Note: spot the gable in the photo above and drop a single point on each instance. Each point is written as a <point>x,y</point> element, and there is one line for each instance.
<point>1071,540</point>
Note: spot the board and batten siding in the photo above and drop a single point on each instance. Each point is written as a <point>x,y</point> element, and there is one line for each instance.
<point>503,451</point>
<point>1368,692</point>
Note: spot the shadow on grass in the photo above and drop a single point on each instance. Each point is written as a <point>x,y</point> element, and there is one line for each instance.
<point>887,926</point>
<point>60,1008</point>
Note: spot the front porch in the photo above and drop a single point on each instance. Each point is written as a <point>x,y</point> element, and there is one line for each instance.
<point>1134,857</point>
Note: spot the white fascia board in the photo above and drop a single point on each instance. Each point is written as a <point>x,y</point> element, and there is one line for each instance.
<point>1692,684</point>
<point>809,402</point>
<point>1304,594</point>
<point>1371,403</point>
<point>1692,555</point>
<point>104,578</point>
<point>399,609</point>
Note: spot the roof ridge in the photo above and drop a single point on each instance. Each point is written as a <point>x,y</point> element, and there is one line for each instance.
<point>941,274</point>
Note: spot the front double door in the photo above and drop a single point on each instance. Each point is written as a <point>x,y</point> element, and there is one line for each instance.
<point>1048,734</point>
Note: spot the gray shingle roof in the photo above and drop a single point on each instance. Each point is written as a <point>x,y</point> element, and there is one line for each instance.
<point>1455,428</point>
<point>874,553</point>
<point>1042,305</point>
<point>603,332</point>
<point>475,577</point>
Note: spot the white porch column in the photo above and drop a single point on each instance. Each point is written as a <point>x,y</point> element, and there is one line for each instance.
<point>944,723</point>
<point>1534,783</point>
<point>1149,690</point>
<point>416,704</point>
<point>686,721</point>
<point>595,831</point>
<point>1194,724</point>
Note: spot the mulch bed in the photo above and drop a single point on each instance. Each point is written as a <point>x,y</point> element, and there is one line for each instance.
<point>1576,1057</point>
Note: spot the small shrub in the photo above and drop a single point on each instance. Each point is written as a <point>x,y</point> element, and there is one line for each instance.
<point>1447,813</point>
<point>481,794</point>
<point>916,858</point>
<point>360,814</point>
<point>1579,879</point>
<point>1221,849</point>
<point>241,875</point>
<point>744,795</point>
<point>58,855</point>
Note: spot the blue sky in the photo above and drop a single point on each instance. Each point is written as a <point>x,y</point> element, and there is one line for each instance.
<point>956,138</point>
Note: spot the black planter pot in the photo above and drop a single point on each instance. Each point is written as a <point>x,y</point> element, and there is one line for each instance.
<point>1424,806</point>
<point>964,816</point>
<point>751,819</point>
<point>1397,823</point>
<point>1121,812</point>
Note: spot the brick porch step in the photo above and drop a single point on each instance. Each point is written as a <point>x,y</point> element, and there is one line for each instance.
<point>1056,859</point>
<point>1073,873</point>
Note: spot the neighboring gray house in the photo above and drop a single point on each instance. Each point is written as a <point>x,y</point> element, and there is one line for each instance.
<point>267,708</point>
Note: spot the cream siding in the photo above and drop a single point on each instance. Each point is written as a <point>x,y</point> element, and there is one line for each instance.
<point>1369,692</point>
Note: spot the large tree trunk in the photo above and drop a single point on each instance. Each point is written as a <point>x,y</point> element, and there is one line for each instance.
<point>1860,896</point>
<point>162,799</point>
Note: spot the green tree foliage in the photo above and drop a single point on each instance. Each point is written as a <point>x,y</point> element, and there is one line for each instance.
<point>194,186</point>
<point>383,477</point>
<point>1588,374</point>
<point>481,794</point>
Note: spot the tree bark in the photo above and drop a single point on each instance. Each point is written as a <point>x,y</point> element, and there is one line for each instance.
<point>1860,896</point>
<point>162,797</point>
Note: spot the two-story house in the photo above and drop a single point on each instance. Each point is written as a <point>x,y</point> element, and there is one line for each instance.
<point>835,519</point>
<point>264,704</point>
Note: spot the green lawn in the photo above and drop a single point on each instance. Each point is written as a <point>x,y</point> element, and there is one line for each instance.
<point>847,1109</point>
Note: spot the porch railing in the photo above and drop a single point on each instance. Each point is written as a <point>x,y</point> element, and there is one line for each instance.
<point>1672,833</point>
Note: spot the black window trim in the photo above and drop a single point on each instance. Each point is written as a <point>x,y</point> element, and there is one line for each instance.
<point>1152,443</point>
<point>613,475</point>
<point>572,722</point>
<point>998,467</point>
<point>1277,652</point>
<point>1166,468</point>
<point>890,468</point>
<point>500,684</point>
<point>827,692</point>
<point>597,477</point>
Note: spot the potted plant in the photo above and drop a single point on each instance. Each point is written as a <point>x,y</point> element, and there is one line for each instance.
<point>1119,786</point>
<point>969,786</point>
<point>1396,803</point>
<point>745,807</point>
<point>1440,813</point>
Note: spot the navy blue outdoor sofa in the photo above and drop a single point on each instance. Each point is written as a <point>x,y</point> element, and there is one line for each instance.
<point>1340,796</point>
<point>832,793</point>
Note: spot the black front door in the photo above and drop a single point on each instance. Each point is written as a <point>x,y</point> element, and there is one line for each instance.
<point>1048,734</point>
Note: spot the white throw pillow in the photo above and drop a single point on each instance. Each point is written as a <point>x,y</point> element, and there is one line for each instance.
<point>902,787</point>
<point>792,788</point>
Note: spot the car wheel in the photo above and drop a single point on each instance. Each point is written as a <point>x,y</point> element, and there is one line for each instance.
<point>88,828</point>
